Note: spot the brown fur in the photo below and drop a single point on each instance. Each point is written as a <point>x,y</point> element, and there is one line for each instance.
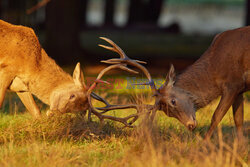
<point>22,57</point>
<point>225,62</point>
<point>223,70</point>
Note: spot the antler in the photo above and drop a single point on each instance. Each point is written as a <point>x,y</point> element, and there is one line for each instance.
<point>100,115</point>
<point>136,63</point>
<point>126,60</point>
<point>122,64</point>
<point>109,107</point>
<point>98,78</point>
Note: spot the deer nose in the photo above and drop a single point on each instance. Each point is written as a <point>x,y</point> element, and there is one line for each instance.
<point>192,125</point>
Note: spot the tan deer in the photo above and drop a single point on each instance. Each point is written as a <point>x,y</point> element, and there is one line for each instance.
<point>26,69</point>
<point>223,70</point>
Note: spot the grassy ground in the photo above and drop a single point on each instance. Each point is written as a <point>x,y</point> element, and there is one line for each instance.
<point>69,140</point>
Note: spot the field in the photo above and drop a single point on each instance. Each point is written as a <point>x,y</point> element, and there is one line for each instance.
<point>70,140</point>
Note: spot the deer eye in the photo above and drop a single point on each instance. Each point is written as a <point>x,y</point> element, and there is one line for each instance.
<point>173,102</point>
<point>72,97</point>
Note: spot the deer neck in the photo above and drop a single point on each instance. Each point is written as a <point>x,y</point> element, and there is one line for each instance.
<point>198,80</point>
<point>49,78</point>
<point>45,88</point>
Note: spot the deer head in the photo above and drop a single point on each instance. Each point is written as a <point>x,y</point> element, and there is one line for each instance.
<point>71,97</point>
<point>174,101</point>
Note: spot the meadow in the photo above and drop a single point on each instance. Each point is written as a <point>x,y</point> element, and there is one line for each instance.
<point>70,140</point>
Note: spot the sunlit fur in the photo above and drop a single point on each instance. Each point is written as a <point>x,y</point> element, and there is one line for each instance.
<point>23,60</point>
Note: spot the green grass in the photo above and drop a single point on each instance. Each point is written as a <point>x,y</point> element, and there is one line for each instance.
<point>70,140</point>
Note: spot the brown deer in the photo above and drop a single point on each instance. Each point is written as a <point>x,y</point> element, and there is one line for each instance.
<point>26,69</point>
<point>223,70</point>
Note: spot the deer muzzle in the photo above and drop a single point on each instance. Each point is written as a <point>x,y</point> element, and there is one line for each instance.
<point>191,125</point>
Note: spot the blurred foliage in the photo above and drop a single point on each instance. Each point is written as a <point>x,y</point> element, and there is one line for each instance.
<point>221,2</point>
<point>247,95</point>
<point>147,44</point>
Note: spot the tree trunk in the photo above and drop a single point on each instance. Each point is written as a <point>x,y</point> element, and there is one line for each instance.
<point>153,11</point>
<point>1,8</point>
<point>135,10</point>
<point>247,12</point>
<point>83,12</point>
<point>62,30</point>
<point>145,12</point>
<point>109,12</point>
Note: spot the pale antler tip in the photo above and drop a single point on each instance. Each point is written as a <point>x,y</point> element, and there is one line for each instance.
<point>106,39</point>
<point>78,64</point>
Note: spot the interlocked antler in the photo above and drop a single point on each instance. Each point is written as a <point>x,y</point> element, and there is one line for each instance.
<point>108,106</point>
<point>126,60</point>
<point>124,120</point>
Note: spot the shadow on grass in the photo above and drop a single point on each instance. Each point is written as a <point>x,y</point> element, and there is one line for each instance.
<point>76,127</point>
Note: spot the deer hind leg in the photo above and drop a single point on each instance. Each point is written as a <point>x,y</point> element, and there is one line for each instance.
<point>239,115</point>
<point>226,101</point>
<point>5,82</point>
<point>29,102</point>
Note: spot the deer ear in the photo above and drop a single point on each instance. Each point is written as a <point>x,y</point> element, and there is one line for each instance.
<point>170,79</point>
<point>78,76</point>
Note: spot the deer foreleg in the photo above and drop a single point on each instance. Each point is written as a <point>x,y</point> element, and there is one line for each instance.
<point>238,115</point>
<point>226,101</point>
<point>29,103</point>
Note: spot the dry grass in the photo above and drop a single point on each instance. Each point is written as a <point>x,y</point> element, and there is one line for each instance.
<point>69,140</point>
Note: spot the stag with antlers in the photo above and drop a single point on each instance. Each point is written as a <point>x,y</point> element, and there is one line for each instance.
<point>223,71</point>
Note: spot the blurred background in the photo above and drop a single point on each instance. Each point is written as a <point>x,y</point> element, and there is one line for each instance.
<point>157,31</point>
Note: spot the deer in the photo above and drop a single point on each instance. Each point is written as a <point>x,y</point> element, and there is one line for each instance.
<point>223,70</point>
<point>27,70</point>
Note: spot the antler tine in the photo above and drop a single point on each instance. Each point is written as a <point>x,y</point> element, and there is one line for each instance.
<point>139,61</point>
<point>115,47</point>
<point>124,120</point>
<point>126,60</point>
<point>99,98</point>
<point>109,106</point>
<point>121,66</point>
<point>115,107</point>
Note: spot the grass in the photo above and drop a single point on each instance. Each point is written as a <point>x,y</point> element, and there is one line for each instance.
<point>70,140</point>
